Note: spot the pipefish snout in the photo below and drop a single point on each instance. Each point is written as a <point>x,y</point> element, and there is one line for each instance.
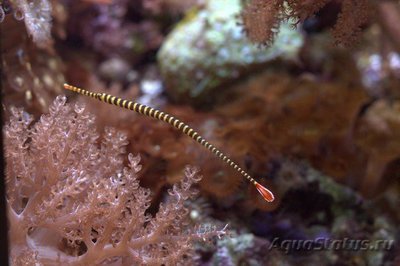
<point>181,126</point>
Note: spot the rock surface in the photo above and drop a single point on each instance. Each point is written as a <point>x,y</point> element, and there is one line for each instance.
<point>209,49</point>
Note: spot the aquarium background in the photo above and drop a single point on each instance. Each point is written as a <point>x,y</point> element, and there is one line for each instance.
<point>303,95</point>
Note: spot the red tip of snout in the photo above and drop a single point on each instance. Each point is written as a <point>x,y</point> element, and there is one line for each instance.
<point>67,86</point>
<point>267,195</point>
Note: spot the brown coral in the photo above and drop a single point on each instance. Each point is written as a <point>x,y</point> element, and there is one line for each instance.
<point>378,134</point>
<point>260,25</point>
<point>303,9</point>
<point>261,17</point>
<point>354,15</point>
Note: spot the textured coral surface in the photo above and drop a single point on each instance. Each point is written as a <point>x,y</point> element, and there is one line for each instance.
<point>72,201</point>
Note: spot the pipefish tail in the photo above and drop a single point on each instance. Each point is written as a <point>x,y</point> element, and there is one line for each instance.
<point>184,128</point>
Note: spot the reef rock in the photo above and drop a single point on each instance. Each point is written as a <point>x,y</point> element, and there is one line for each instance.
<point>209,50</point>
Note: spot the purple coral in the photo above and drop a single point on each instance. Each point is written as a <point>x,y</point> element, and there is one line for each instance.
<point>70,200</point>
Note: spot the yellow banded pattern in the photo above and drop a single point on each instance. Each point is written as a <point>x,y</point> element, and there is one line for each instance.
<point>187,130</point>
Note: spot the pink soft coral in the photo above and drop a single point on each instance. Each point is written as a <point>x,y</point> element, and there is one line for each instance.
<point>71,201</point>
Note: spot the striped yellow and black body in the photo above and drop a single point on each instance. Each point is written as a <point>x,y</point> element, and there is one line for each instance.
<point>181,126</point>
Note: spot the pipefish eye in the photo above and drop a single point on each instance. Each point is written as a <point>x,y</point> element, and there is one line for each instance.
<point>181,126</point>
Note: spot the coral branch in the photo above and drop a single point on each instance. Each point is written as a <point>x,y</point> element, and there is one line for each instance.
<point>85,207</point>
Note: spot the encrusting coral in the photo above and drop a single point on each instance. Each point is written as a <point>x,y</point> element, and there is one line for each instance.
<point>70,200</point>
